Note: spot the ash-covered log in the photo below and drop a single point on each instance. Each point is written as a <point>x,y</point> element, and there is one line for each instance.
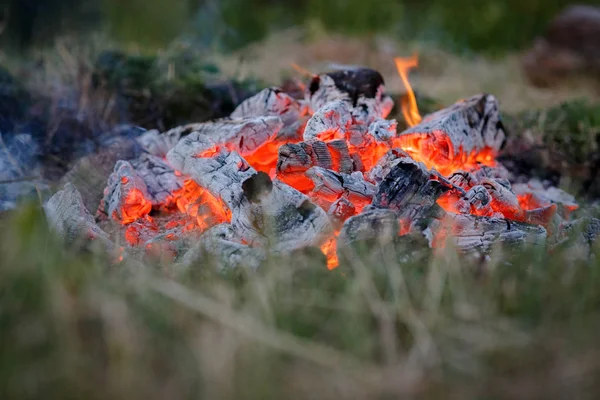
<point>160,178</point>
<point>71,220</point>
<point>534,194</point>
<point>378,224</point>
<point>273,102</point>
<point>263,211</point>
<point>297,158</point>
<point>243,136</point>
<point>505,201</point>
<point>330,185</point>
<point>329,122</point>
<point>470,232</point>
<point>467,132</point>
<point>126,196</point>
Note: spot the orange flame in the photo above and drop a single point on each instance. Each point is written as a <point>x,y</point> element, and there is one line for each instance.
<point>329,249</point>
<point>409,103</point>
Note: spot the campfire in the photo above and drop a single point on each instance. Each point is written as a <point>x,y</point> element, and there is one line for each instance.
<point>326,170</point>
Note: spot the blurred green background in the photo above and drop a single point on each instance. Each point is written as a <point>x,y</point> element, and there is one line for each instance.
<point>489,26</point>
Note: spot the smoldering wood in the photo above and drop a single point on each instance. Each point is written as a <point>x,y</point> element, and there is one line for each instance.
<point>480,199</point>
<point>545,195</point>
<point>470,232</point>
<point>506,201</point>
<point>329,121</point>
<point>409,190</point>
<point>299,157</point>
<point>340,210</point>
<point>470,125</point>
<point>271,102</point>
<point>329,183</point>
<point>275,102</point>
<point>340,156</point>
<point>383,166</point>
<point>125,192</point>
<point>221,243</point>
<point>281,216</point>
<point>71,220</point>
<point>243,136</point>
<point>373,223</point>
<point>383,130</point>
<point>159,177</point>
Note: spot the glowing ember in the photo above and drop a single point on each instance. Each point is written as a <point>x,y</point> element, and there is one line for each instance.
<point>329,249</point>
<point>350,140</point>
<point>135,206</point>
<point>409,103</point>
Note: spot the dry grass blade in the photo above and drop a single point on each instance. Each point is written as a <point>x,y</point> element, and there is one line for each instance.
<point>308,351</point>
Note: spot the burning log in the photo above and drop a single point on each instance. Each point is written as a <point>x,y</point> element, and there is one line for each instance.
<point>506,202</point>
<point>533,195</point>
<point>294,159</point>
<point>160,179</point>
<point>68,217</point>
<point>242,136</point>
<point>262,210</point>
<point>126,196</point>
<point>464,134</point>
<point>471,232</point>
<point>329,186</point>
<point>329,122</point>
<point>223,244</point>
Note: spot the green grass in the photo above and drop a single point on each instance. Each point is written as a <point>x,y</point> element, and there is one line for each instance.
<point>389,321</point>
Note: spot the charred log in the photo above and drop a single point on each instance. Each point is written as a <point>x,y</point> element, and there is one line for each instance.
<point>409,190</point>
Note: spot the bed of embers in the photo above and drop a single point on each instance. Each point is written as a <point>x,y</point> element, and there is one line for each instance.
<point>325,170</point>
